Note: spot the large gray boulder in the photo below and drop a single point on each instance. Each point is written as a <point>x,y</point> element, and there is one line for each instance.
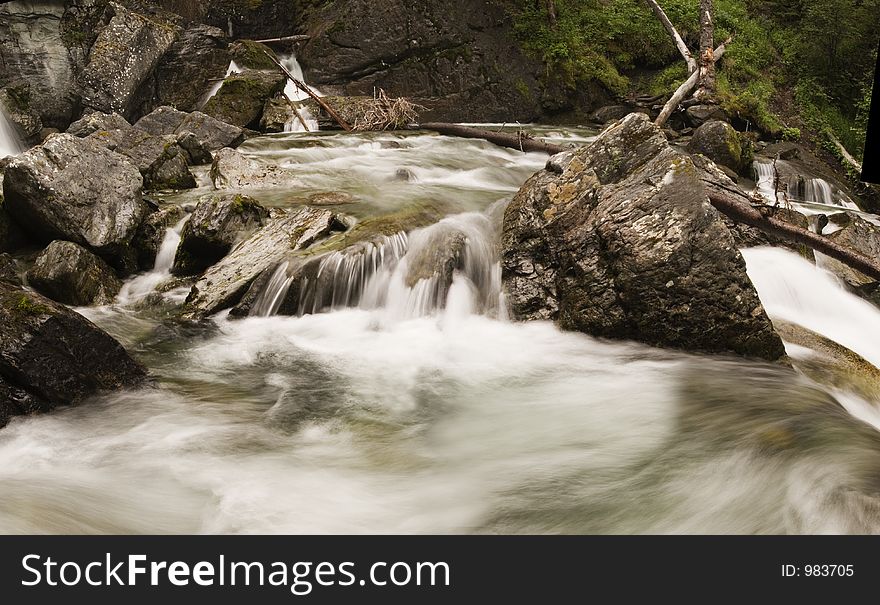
<point>76,190</point>
<point>123,56</point>
<point>223,285</point>
<point>70,274</point>
<point>212,133</point>
<point>97,121</point>
<point>232,170</point>
<point>162,162</point>
<point>618,240</point>
<point>722,144</point>
<point>52,356</point>
<point>216,225</point>
<point>242,96</point>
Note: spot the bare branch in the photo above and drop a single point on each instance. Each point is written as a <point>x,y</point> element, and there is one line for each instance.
<point>676,37</point>
<point>688,85</point>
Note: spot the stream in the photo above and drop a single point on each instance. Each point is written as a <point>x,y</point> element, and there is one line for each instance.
<point>385,415</point>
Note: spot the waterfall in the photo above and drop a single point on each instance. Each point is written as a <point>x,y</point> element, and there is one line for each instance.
<point>801,189</point>
<point>295,95</point>
<point>451,266</point>
<point>141,285</point>
<point>232,69</point>
<point>10,143</point>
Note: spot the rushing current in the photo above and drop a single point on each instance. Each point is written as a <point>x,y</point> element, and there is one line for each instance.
<point>10,142</point>
<point>394,407</point>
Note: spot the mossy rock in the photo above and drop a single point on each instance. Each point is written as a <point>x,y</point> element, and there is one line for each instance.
<point>241,99</point>
<point>248,54</point>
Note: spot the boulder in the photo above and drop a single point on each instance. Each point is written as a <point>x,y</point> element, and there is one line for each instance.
<point>276,114</point>
<point>242,96</point>
<point>161,160</point>
<point>331,198</point>
<point>223,285</point>
<point>610,113</point>
<point>11,235</point>
<point>859,235</point>
<point>197,153</point>
<point>198,57</point>
<point>9,269</point>
<point>70,274</point>
<point>697,115</point>
<point>212,133</point>
<point>618,240</point>
<point>114,73</point>
<point>216,225</point>
<point>151,233</point>
<point>248,54</point>
<point>97,121</point>
<point>52,356</point>
<point>232,170</point>
<point>719,142</point>
<point>77,190</point>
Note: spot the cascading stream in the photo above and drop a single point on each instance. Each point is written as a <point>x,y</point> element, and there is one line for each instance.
<point>10,142</point>
<point>809,195</point>
<point>141,285</point>
<point>296,96</point>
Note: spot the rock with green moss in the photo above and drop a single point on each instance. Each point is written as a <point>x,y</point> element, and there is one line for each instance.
<point>249,54</point>
<point>70,274</point>
<point>76,190</point>
<point>223,285</point>
<point>618,240</point>
<point>160,159</point>
<point>722,144</point>
<point>216,225</point>
<point>114,73</point>
<point>242,96</point>
<point>51,356</point>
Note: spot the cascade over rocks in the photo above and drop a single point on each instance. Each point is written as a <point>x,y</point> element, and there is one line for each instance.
<point>111,78</point>
<point>223,285</point>
<point>217,223</point>
<point>52,356</point>
<point>77,190</point>
<point>70,274</point>
<point>148,238</point>
<point>857,234</point>
<point>618,240</point>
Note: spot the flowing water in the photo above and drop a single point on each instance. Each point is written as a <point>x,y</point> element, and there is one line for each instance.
<point>306,122</point>
<point>10,142</point>
<point>807,194</point>
<point>393,407</point>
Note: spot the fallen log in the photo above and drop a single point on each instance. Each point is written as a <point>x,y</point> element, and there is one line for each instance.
<point>519,141</point>
<point>302,86</point>
<point>742,212</point>
<point>297,38</point>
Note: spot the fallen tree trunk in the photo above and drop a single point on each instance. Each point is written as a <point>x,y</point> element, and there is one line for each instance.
<point>673,33</point>
<point>297,38</point>
<point>302,86</point>
<point>747,214</point>
<point>518,141</point>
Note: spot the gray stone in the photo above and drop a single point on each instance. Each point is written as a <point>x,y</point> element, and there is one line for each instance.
<point>70,274</point>
<point>697,115</point>
<point>719,142</point>
<point>77,190</point>
<point>97,121</point>
<point>212,133</point>
<point>232,170</point>
<point>624,244</point>
<point>276,114</point>
<point>610,113</point>
<point>859,235</point>
<point>223,285</point>
<point>160,159</point>
<point>217,224</point>
<point>52,356</point>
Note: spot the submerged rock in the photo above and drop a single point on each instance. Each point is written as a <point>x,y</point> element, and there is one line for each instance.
<point>223,285</point>
<point>232,170</point>
<point>241,99</point>
<point>216,225</point>
<point>161,160</point>
<point>722,144</point>
<point>70,274</point>
<point>52,356</point>
<point>149,236</point>
<point>77,190</point>
<point>624,244</point>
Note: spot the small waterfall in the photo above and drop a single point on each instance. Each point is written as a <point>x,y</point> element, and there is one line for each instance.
<point>800,189</point>
<point>232,69</point>
<point>295,95</point>
<point>270,299</point>
<point>451,266</point>
<point>10,143</point>
<point>141,285</point>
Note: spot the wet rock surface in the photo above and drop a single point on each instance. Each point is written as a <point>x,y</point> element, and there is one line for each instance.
<point>211,133</point>
<point>51,356</point>
<point>162,162</point>
<point>624,244</point>
<point>232,170</point>
<point>70,274</point>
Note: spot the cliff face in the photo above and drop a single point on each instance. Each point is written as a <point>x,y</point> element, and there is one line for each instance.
<point>456,57</point>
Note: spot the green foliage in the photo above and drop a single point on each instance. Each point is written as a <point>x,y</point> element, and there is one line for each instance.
<point>791,134</point>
